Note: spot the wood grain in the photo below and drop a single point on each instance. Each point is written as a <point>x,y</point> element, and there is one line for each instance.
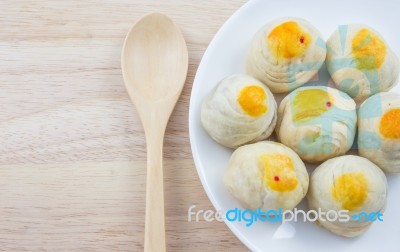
<point>72,152</point>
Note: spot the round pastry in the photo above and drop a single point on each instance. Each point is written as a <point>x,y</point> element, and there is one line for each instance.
<point>317,122</point>
<point>360,62</point>
<point>239,110</point>
<point>347,189</point>
<point>285,54</point>
<point>379,131</point>
<point>266,175</point>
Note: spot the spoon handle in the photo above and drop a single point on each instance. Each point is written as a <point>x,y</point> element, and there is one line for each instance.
<point>155,224</point>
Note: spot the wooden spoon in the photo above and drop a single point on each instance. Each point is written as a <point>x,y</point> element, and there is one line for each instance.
<point>154,66</point>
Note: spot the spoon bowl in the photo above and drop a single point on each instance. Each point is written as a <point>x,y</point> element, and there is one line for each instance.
<point>154,65</point>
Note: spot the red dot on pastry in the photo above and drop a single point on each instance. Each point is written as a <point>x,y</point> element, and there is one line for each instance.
<point>276,178</point>
<point>328,104</point>
<point>302,39</point>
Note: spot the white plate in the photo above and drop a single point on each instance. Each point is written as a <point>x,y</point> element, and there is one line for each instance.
<point>225,55</point>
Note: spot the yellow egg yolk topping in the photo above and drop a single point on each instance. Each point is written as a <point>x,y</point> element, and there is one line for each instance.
<point>288,40</point>
<point>389,126</point>
<point>252,100</point>
<point>368,50</point>
<point>309,104</point>
<point>278,172</point>
<point>351,190</point>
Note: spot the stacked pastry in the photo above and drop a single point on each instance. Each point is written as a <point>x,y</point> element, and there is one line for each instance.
<point>313,123</point>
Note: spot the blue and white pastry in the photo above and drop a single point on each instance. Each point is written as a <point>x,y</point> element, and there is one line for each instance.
<point>379,130</point>
<point>317,122</point>
<point>360,62</point>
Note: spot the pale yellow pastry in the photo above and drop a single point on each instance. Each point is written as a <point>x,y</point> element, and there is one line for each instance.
<point>317,122</point>
<point>352,185</point>
<point>360,62</point>
<point>285,54</point>
<point>239,110</point>
<point>266,175</point>
<point>379,131</point>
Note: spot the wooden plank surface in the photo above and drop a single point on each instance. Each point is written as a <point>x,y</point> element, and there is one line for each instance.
<point>72,152</point>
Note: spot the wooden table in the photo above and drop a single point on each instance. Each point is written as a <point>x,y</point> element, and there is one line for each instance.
<point>72,149</point>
